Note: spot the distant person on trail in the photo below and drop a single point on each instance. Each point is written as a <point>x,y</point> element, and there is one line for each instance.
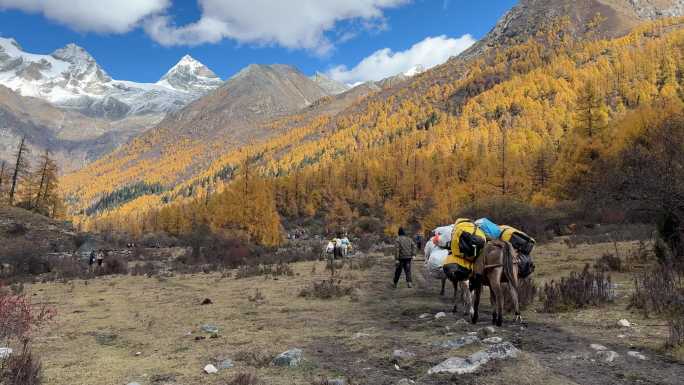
<point>419,241</point>
<point>91,259</point>
<point>405,250</point>
<point>100,258</point>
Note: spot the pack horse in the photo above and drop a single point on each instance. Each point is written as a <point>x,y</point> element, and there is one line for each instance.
<point>473,254</point>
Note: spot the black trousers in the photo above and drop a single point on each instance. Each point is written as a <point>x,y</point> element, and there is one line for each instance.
<point>405,265</point>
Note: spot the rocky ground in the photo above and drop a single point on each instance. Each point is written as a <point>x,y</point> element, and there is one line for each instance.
<point>126,330</point>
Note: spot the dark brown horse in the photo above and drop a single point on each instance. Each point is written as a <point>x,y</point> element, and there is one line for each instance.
<point>494,267</point>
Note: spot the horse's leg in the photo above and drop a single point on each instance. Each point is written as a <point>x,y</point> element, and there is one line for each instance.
<point>513,287</point>
<point>455,308</point>
<point>467,299</point>
<point>492,297</point>
<point>476,304</point>
<point>441,293</point>
<point>495,285</point>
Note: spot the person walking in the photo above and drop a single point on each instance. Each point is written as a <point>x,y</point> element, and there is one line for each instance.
<point>405,250</point>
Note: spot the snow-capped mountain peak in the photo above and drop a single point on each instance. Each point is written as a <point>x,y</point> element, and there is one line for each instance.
<point>415,70</point>
<point>190,75</point>
<point>71,78</point>
<point>74,54</point>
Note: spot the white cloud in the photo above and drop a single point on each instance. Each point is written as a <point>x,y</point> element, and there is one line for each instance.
<point>385,63</point>
<point>291,24</point>
<point>105,16</point>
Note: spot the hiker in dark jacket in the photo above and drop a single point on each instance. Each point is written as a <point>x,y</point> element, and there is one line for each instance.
<point>405,250</point>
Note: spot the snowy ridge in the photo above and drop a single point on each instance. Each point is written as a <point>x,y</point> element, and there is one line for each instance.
<point>71,78</point>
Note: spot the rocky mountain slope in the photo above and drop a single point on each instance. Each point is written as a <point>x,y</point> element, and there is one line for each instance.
<point>331,86</point>
<point>72,138</point>
<point>71,78</point>
<point>616,18</point>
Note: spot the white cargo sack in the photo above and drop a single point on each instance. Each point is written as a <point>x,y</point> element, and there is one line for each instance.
<point>436,262</point>
<point>442,236</point>
<point>330,248</point>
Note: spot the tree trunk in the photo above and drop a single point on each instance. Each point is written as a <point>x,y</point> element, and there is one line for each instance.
<point>17,171</point>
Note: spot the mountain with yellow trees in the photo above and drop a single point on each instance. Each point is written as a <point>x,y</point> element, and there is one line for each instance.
<point>558,96</point>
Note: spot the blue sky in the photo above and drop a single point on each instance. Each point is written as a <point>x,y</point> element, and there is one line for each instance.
<point>141,40</point>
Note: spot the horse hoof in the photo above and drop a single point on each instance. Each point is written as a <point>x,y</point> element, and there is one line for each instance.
<point>454,310</point>
<point>473,319</point>
<point>499,322</point>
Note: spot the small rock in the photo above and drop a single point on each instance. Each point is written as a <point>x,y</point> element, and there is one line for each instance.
<point>439,315</point>
<point>211,329</point>
<point>290,358</point>
<point>624,323</point>
<point>402,355</point>
<point>406,381</point>
<point>607,355</point>
<point>493,340</point>
<point>424,315</point>
<point>637,355</point>
<point>461,322</point>
<point>356,336</point>
<point>598,347</point>
<point>336,381</point>
<point>486,332</point>
<point>5,352</point>
<point>138,353</point>
<point>457,342</point>
<point>200,338</point>
<point>210,369</point>
<point>622,336</point>
<point>207,301</point>
<point>226,364</point>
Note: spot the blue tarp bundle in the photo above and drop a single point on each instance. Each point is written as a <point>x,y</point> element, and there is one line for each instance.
<point>490,228</point>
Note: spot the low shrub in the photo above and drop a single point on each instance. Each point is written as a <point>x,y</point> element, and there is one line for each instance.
<point>245,379</point>
<point>587,288</point>
<point>676,331</point>
<point>254,358</point>
<point>527,291</point>
<point>364,262</point>
<point>23,368</point>
<point>19,318</point>
<point>658,290</point>
<point>276,270</point>
<point>147,269</point>
<point>326,289</point>
<point>112,266</point>
<point>609,262</point>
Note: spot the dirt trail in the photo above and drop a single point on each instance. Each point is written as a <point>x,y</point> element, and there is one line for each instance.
<point>393,319</point>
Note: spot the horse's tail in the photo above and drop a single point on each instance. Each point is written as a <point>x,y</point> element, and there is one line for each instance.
<point>508,264</point>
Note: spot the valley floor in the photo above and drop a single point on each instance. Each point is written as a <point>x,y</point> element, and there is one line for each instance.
<point>128,329</point>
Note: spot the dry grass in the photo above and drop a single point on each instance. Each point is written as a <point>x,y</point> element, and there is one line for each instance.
<point>161,318</point>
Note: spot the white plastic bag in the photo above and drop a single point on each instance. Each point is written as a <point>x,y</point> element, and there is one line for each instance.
<point>436,261</point>
<point>442,236</point>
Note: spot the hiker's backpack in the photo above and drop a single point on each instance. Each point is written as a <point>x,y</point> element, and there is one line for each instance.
<point>491,229</point>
